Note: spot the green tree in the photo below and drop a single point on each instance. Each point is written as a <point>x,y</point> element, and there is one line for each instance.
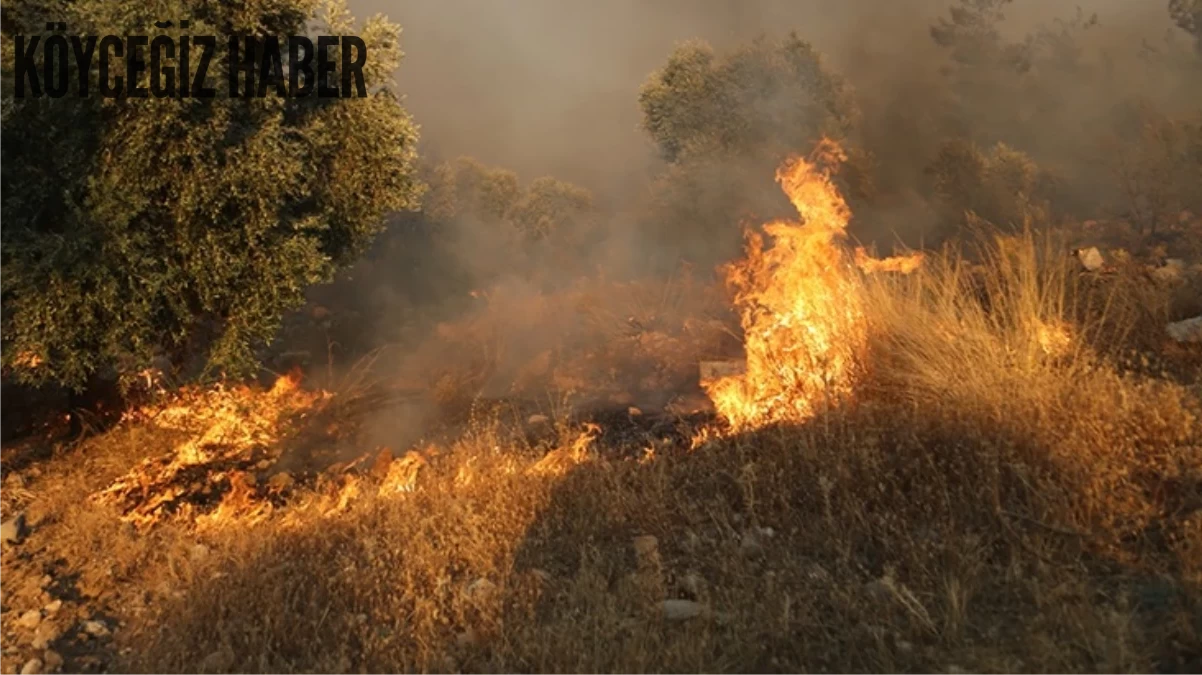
<point>767,96</point>
<point>186,227</point>
<point>1004,186</point>
<point>724,123</point>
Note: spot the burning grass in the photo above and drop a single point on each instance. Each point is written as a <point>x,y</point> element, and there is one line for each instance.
<point>933,467</point>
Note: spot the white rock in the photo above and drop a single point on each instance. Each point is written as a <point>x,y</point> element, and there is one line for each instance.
<point>1091,259</point>
<point>1189,330</point>
<point>53,606</point>
<point>95,628</point>
<point>682,610</point>
<point>12,531</point>
<point>32,667</point>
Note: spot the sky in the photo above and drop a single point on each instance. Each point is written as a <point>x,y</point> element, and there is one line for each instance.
<point>550,87</point>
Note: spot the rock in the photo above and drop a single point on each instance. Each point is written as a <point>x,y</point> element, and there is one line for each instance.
<point>1091,258</point>
<point>281,481</point>
<point>45,581</point>
<point>263,464</point>
<point>818,573</point>
<point>45,634</point>
<point>751,544</point>
<point>878,590</point>
<point>53,606</point>
<point>30,619</point>
<point>535,420</point>
<point>217,662</point>
<point>95,628</point>
<point>13,530</point>
<point>683,610</point>
<point>481,588</point>
<point>32,667</point>
<point>633,411</point>
<point>712,371</point>
<point>52,661</point>
<point>1189,330</point>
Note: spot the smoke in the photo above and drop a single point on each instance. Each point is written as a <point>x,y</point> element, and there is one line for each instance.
<point>550,88</point>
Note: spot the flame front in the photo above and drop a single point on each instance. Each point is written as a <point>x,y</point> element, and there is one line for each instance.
<point>801,304</point>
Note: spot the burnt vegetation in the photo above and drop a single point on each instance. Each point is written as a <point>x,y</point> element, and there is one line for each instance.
<point>306,400</point>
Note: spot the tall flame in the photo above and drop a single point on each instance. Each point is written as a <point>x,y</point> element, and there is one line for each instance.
<point>800,302</point>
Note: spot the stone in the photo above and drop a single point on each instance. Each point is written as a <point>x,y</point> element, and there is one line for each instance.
<point>45,634</point>
<point>30,619</point>
<point>1091,258</point>
<point>217,662</point>
<point>481,588</point>
<point>52,661</point>
<point>633,411</point>
<point>535,420</point>
<point>712,371</point>
<point>751,544</point>
<point>683,610</point>
<point>13,530</point>
<point>95,628</point>
<point>53,606</point>
<point>32,667</point>
<point>1189,330</point>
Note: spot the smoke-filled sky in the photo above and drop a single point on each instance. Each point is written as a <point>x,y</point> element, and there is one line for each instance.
<point>551,86</point>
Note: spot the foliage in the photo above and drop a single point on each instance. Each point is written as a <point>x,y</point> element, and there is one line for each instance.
<point>1156,162</point>
<point>467,190</point>
<point>724,123</point>
<point>1004,187</point>
<point>776,95</point>
<point>135,227</point>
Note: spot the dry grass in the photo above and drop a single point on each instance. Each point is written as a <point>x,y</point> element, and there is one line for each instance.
<point>997,496</point>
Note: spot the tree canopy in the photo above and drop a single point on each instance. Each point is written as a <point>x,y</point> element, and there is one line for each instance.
<point>186,227</point>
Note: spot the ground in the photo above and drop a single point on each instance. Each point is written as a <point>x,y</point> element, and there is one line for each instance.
<point>983,497</point>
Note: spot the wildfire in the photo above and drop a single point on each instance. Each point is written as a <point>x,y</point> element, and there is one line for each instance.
<point>226,433</point>
<point>800,302</point>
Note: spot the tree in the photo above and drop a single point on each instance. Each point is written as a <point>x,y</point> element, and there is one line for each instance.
<point>182,227</point>
<point>1003,187</point>
<point>776,96</point>
<point>495,226</point>
<point>724,123</point>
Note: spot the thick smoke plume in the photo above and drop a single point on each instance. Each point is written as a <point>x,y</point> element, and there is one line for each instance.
<point>510,280</point>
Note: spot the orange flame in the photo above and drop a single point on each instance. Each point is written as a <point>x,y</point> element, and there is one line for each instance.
<point>801,303</point>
